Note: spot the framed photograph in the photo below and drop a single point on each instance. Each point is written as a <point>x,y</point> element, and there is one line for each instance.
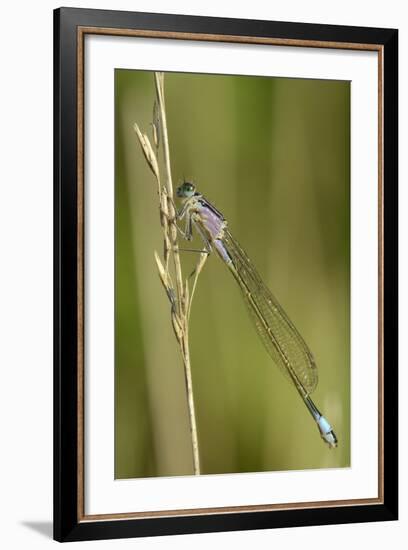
<point>225,274</point>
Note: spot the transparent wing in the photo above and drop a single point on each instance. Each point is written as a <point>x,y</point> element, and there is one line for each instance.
<point>278,334</point>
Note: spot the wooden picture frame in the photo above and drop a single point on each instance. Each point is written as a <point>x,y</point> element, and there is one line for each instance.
<point>71,26</point>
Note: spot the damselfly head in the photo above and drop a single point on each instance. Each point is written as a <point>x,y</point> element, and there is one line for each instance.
<point>186,190</point>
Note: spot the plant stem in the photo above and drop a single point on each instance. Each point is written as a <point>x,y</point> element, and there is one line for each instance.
<point>191,407</point>
<point>159,81</point>
<point>182,299</point>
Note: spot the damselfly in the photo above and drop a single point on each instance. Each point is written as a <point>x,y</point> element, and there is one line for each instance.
<point>280,337</point>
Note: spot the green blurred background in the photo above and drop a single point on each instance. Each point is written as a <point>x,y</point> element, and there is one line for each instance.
<point>273,155</point>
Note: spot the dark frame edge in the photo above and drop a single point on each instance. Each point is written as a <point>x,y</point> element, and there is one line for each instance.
<point>390,261</point>
<point>65,280</point>
<point>224,26</point>
<point>129,528</point>
<point>57,507</point>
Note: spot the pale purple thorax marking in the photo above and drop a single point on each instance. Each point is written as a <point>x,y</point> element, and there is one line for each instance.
<point>213,222</point>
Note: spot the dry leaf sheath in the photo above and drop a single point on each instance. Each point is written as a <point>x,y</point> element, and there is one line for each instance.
<point>170,268</point>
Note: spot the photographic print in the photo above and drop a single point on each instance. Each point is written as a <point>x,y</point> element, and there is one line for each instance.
<point>232,274</point>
